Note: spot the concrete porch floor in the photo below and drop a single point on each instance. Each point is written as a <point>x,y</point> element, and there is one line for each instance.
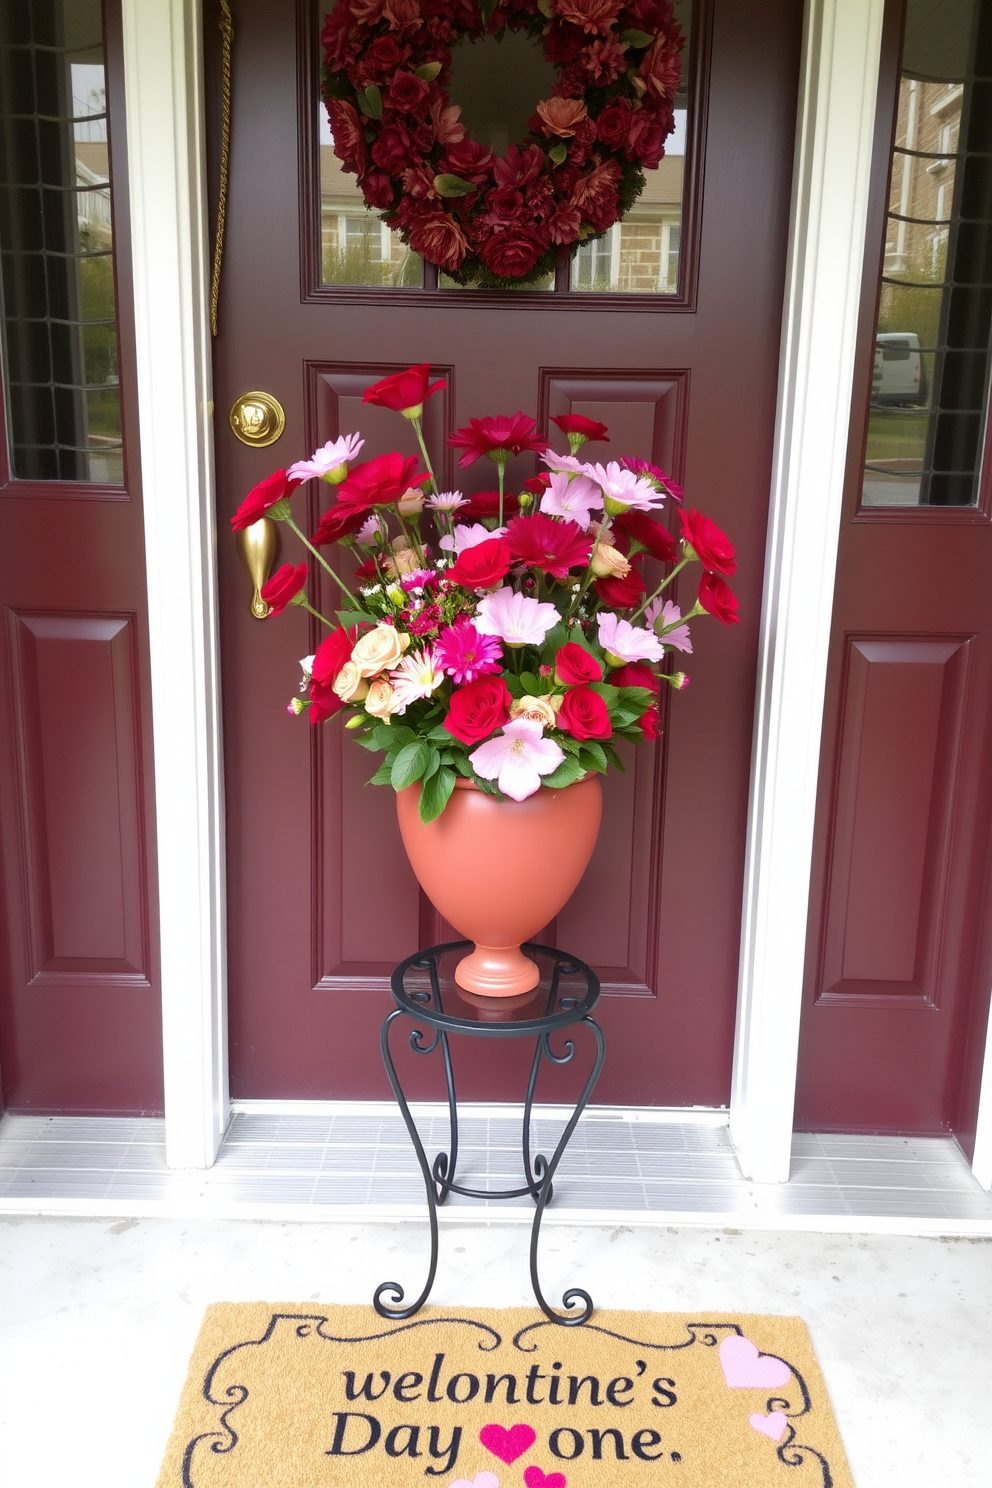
<point>99,1317</point>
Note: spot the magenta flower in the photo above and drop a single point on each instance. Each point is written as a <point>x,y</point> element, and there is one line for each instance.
<point>517,758</point>
<point>554,547</point>
<point>517,620</point>
<point>655,472</point>
<point>499,438</point>
<point>465,654</point>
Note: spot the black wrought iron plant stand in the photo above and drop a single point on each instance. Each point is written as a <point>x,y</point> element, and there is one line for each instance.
<point>425,1004</point>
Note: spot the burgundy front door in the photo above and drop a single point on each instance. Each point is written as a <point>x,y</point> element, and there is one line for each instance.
<point>670,336</point>
<point>897,970</point>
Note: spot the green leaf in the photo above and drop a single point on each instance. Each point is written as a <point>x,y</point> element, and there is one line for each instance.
<point>367,741</point>
<point>370,102</point>
<point>530,684</point>
<point>486,8</point>
<point>593,756</point>
<point>439,734</point>
<point>390,736</point>
<point>459,758</point>
<point>636,697</point>
<point>435,794</point>
<point>614,758</point>
<point>433,765</point>
<point>409,764</point>
<point>448,185</point>
<point>637,39</point>
<point>514,686</point>
<point>348,618</point>
<point>570,746</point>
<point>559,152</point>
<point>428,72</point>
<point>553,642</point>
<point>382,776</point>
<point>567,773</point>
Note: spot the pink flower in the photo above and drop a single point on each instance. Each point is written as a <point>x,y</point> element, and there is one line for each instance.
<point>563,462</point>
<point>417,676</point>
<point>328,460</point>
<point>469,536</point>
<point>554,547</point>
<point>572,499</point>
<point>625,642</point>
<point>669,614</point>
<point>655,472</point>
<point>446,501</point>
<point>517,620</point>
<point>622,489</point>
<point>517,759</point>
<point>465,654</point>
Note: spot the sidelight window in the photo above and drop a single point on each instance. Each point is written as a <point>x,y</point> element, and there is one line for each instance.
<point>930,357</point>
<point>57,297</point>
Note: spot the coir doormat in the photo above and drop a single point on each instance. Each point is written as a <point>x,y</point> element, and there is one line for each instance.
<point>320,1397</point>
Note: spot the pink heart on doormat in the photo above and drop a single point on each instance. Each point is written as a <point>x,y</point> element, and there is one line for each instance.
<point>505,1444</point>
<point>774,1425</point>
<point>745,1369</point>
<point>481,1480</point>
<point>535,1478</point>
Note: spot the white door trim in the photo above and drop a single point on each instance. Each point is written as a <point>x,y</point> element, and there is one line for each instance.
<point>163,77</point>
<point>837,97</point>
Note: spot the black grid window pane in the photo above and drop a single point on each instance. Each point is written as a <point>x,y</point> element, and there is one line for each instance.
<point>59,319</point>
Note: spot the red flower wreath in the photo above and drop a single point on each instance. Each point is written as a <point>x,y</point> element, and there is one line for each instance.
<point>500,221</point>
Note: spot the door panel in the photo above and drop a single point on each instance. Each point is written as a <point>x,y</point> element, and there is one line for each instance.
<point>321,901</point>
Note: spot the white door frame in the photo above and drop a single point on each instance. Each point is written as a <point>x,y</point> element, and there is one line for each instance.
<point>170,237</point>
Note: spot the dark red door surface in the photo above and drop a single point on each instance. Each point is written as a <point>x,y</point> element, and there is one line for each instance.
<point>683,369</point>
<point>80,1018</point>
<point>897,970</point>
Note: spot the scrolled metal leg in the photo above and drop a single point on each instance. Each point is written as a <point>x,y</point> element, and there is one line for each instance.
<point>445,1163</point>
<point>392,1289</point>
<point>574,1295</point>
<point>533,1173</point>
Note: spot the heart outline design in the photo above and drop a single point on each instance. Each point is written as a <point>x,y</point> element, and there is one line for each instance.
<point>481,1480</point>
<point>536,1477</point>
<point>508,1443</point>
<point>744,1368</point>
<point>773,1426</point>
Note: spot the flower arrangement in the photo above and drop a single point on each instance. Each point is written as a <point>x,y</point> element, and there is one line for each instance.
<point>500,221</point>
<point>508,637</point>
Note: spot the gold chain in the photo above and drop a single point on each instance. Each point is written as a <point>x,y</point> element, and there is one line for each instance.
<point>227,32</point>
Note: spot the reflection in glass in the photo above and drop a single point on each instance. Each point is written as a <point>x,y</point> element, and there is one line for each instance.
<point>930,374</point>
<point>56,243</point>
<point>640,254</point>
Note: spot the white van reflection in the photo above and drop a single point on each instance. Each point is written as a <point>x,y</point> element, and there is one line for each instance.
<point>899,379</point>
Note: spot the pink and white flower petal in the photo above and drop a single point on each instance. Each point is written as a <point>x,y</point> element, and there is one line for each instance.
<point>330,456</point>
<point>563,462</point>
<point>417,676</point>
<point>623,487</point>
<point>517,759</point>
<point>446,501</point>
<point>469,535</point>
<point>627,642</point>
<point>670,615</point>
<point>572,499</point>
<point>515,618</point>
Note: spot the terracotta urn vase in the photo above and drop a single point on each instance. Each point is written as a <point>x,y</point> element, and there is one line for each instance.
<point>500,870</point>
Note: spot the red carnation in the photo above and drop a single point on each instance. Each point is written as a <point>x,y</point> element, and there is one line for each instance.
<point>407,92</point>
<point>439,239</point>
<point>468,159</point>
<point>538,484</point>
<point>478,709</point>
<point>712,547</point>
<point>574,666</point>
<point>574,423</point>
<point>621,594</point>
<point>260,498</point>
<point>483,566</point>
<point>717,598</point>
<point>565,223</point>
<point>662,67</point>
<point>404,392</point>
<point>584,715</point>
<point>554,547</point>
<point>337,522</point>
<point>512,253</point>
<point>328,660</point>
<point>641,528</point>
<point>380,482</point>
<point>283,587</point>
<point>485,504</point>
<point>506,435</point>
<point>596,195</point>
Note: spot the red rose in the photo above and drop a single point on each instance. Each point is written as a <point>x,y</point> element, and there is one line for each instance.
<point>613,123</point>
<point>504,208</point>
<point>404,391</point>
<point>468,159</point>
<point>712,547</point>
<point>328,660</point>
<point>348,134</point>
<point>393,150</point>
<point>407,92</point>
<point>380,482</point>
<point>717,598</point>
<point>512,253</point>
<point>283,587</point>
<point>583,714</point>
<point>640,527</point>
<point>261,497</point>
<point>378,190</point>
<point>483,566</point>
<point>478,709</point>
<point>650,724</point>
<point>439,239</point>
<point>562,43</point>
<point>621,594</point>
<point>635,674</point>
<point>645,140</point>
<point>574,666</point>
<point>384,55</point>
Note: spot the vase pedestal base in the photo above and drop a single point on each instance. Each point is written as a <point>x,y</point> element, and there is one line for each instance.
<point>497,971</point>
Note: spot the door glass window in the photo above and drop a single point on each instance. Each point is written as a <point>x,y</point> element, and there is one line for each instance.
<point>59,323</point>
<point>930,374</point>
<point>497,85</point>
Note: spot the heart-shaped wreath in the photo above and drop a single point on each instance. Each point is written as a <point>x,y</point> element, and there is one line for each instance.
<point>500,221</point>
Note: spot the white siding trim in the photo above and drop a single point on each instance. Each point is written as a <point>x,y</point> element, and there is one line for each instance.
<point>166,167</point>
<point>837,98</point>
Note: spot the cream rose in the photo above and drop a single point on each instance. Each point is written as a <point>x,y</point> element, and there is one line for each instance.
<point>349,684</point>
<point>378,650</point>
<point>381,701</point>
<point>607,560</point>
<point>540,710</point>
<point>411,503</point>
<point>403,561</point>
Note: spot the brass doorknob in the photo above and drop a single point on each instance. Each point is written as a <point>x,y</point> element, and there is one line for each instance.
<point>259,548</point>
<point>257,418</point>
